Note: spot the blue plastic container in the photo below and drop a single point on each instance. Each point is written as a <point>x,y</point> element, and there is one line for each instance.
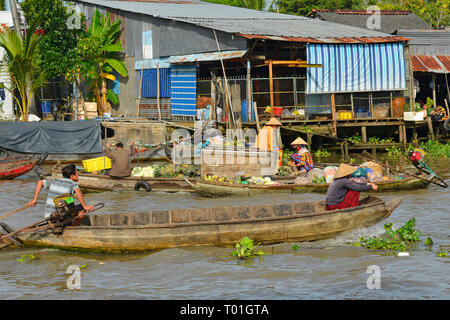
<point>245,114</point>
<point>46,107</point>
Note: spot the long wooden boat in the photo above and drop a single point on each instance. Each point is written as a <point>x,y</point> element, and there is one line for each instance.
<point>102,182</point>
<point>14,167</point>
<point>265,223</point>
<point>217,189</point>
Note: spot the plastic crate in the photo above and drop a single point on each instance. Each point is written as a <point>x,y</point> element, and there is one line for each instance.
<point>96,164</point>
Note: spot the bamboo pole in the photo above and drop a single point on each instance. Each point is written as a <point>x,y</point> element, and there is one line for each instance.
<point>157,94</point>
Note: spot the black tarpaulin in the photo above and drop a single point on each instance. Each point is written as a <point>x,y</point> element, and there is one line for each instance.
<point>57,137</point>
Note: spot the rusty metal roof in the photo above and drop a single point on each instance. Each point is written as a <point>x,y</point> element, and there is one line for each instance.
<point>208,56</point>
<point>327,40</point>
<point>431,63</point>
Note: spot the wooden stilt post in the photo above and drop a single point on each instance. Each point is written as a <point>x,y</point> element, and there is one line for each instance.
<point>364,134</point>
<point>271,87</point>
<point>333,114</point>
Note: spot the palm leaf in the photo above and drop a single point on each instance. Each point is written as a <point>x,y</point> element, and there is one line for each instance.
<point>119,66</point>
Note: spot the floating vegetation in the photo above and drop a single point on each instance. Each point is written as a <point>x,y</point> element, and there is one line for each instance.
<point>443,254</point>
<point>26,258</point>
<point>394,239</point>
<point>295,247</point>
<point>246,249</point>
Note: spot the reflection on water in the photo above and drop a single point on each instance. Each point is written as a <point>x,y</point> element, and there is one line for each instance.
<point>328,269</point>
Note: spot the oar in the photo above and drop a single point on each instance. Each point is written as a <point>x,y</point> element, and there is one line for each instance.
<point>371,157</point>
<point>35,226</point>
<point>13,212</point>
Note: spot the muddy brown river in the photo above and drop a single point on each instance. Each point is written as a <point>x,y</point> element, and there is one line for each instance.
<point>328,269</point>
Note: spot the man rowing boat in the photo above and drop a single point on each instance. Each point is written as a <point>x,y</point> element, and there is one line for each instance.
<point>58,187</point>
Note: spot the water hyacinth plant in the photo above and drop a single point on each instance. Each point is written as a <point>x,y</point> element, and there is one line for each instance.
<point>246,249</point>
<point>394,239</point>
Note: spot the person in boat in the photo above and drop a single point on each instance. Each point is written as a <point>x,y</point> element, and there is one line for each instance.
<point>269,138</point>
<point>58,187</point>
<point>120,160</point>
<point>344,193</point>
<point>301,161</point>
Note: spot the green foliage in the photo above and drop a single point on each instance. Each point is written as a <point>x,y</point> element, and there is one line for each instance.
<point>322,153</point>
<point>2,5</point>
<point>99,54</point>
<point>435,12</point>
<point>376,140</point>
<point>287,155</point>
<point>394,239</point>
<point>246,249</point>
<point>429,242</point>
<point>249,4</point>
<point>436,149</point>
<point>58,44</point>
<point>295,247</point>
<point>305,7</point>
<point>284,171</point>
<point>22,61</point>
<point>355,139</point>
<point>394,152</point>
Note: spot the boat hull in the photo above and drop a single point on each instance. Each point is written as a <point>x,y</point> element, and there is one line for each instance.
<point>266,224</point>
<point>100,182</point>
<point>14,169</point>
<point>213,189</point>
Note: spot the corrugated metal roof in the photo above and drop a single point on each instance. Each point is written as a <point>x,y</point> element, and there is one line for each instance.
<point>427,42</point>
<point>240,20</point>
<point>329,40</point>
<point>436,64</point>
<point>390,21</point>
<point>208,56</point>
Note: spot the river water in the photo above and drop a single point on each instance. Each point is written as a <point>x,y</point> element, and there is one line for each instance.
<point>328,269</point>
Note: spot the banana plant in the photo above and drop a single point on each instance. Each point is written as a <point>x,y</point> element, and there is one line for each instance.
<point>22,62</point>
<point>102,55</point>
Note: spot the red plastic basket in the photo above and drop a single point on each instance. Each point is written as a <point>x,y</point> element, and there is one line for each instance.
<point>277,111</point>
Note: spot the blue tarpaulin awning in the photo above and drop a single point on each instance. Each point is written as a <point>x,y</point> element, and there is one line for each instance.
<point>356,67</point>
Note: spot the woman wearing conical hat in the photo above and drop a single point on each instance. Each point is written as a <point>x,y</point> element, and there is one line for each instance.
<point>269,138</point>
<point>344,193</point>
<point>301,160</point>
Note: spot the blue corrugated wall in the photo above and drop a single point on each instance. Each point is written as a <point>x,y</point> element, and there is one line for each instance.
<point>150,84</point>
<point>183,97</point>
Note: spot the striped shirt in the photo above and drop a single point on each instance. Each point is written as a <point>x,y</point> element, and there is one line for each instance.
<point>56,188</point>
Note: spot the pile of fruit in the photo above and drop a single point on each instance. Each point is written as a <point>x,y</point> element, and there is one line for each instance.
<point>211,178</point>
<point>261,180</point>
<point>319,180</point>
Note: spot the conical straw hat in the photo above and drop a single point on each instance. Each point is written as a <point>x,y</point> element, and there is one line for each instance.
<point>344,170</point>
<point>298,141</point>
<point>273,122</point>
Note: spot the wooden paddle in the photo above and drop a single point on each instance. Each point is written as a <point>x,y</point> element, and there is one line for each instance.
<point>372,158</point>
<point>13,212</point>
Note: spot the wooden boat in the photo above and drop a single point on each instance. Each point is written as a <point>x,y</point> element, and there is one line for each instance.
<point>11,168</point>
<point>216,189</point>
<point>101,182</point>
<point>264,223</point>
